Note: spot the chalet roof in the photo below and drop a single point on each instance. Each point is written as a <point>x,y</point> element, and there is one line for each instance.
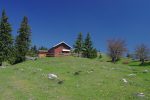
<point>61,43</point>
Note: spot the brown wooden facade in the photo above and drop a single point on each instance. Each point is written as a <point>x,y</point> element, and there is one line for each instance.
<point>61,49</point>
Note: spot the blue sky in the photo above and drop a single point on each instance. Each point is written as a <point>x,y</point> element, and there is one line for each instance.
<point>53,21</point>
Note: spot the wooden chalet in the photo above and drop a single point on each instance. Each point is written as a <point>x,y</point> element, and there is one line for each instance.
<point>42,53</point>
<point>58,50</point>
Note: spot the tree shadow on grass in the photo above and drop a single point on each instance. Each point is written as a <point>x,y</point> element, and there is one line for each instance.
<point>145,64</point>
<point>137,63</point>
<point>108,61</point>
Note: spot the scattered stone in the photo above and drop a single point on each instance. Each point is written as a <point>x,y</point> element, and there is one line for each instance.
<point>140,94</point>
<point>145,71</point>
<point>60,82</point>
<point>52,76</point>
<point>132,75</point>
<point>31,58</point>
<point>90,71</point>
<point>3,67</point>
<point>39,69</point>
<point>124,80</point>
<point>114,68</point>
<point>22,69</point>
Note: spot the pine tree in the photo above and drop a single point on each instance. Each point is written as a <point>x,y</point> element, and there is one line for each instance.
<point>78,46</point>
<point>89,51</point>
<point>6,40</point>
<point>43,48</point>
<point>23,40</point>
<point>33,51</point>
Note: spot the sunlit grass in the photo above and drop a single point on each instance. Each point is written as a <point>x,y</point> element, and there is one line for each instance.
<point>97,79</point>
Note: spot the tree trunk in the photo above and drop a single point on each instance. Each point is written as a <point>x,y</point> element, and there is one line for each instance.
<point>142,62</point>
<point>113,60</point>
<point>0,63</point>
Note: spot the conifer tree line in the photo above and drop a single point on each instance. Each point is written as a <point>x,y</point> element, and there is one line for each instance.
<point>13,50</point>
<point>84,47</point>
<point>116,48</point>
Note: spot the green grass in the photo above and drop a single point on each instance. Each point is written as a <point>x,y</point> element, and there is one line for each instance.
<point>29,81</point>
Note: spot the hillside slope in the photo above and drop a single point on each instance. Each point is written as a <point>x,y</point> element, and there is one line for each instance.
<point>83,79</point>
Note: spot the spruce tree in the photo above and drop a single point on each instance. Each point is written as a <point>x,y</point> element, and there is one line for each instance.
<point>34,49</point>
<point>78,46</point>
<point>6,40</point>
<point>42,48</point>
<point>87,46</point>
<point>23,40</point>
<point>89,51</point>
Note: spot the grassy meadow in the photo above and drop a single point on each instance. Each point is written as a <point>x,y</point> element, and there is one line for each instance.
<point>96,79</point>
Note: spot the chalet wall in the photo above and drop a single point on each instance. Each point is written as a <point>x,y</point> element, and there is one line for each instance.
<point>57,51</point>
<point>41,55</point>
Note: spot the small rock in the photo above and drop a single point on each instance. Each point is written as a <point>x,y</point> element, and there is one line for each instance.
<point>124,80</point>
<point>22,69</point>
<point>52,76</point>
<point>39,69</point>
<point>145,71</point>
<point>31,58</point>
<point>89,72</point>
<point>114,68</point>
<point>132,75</point>
<point>140,95</point>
